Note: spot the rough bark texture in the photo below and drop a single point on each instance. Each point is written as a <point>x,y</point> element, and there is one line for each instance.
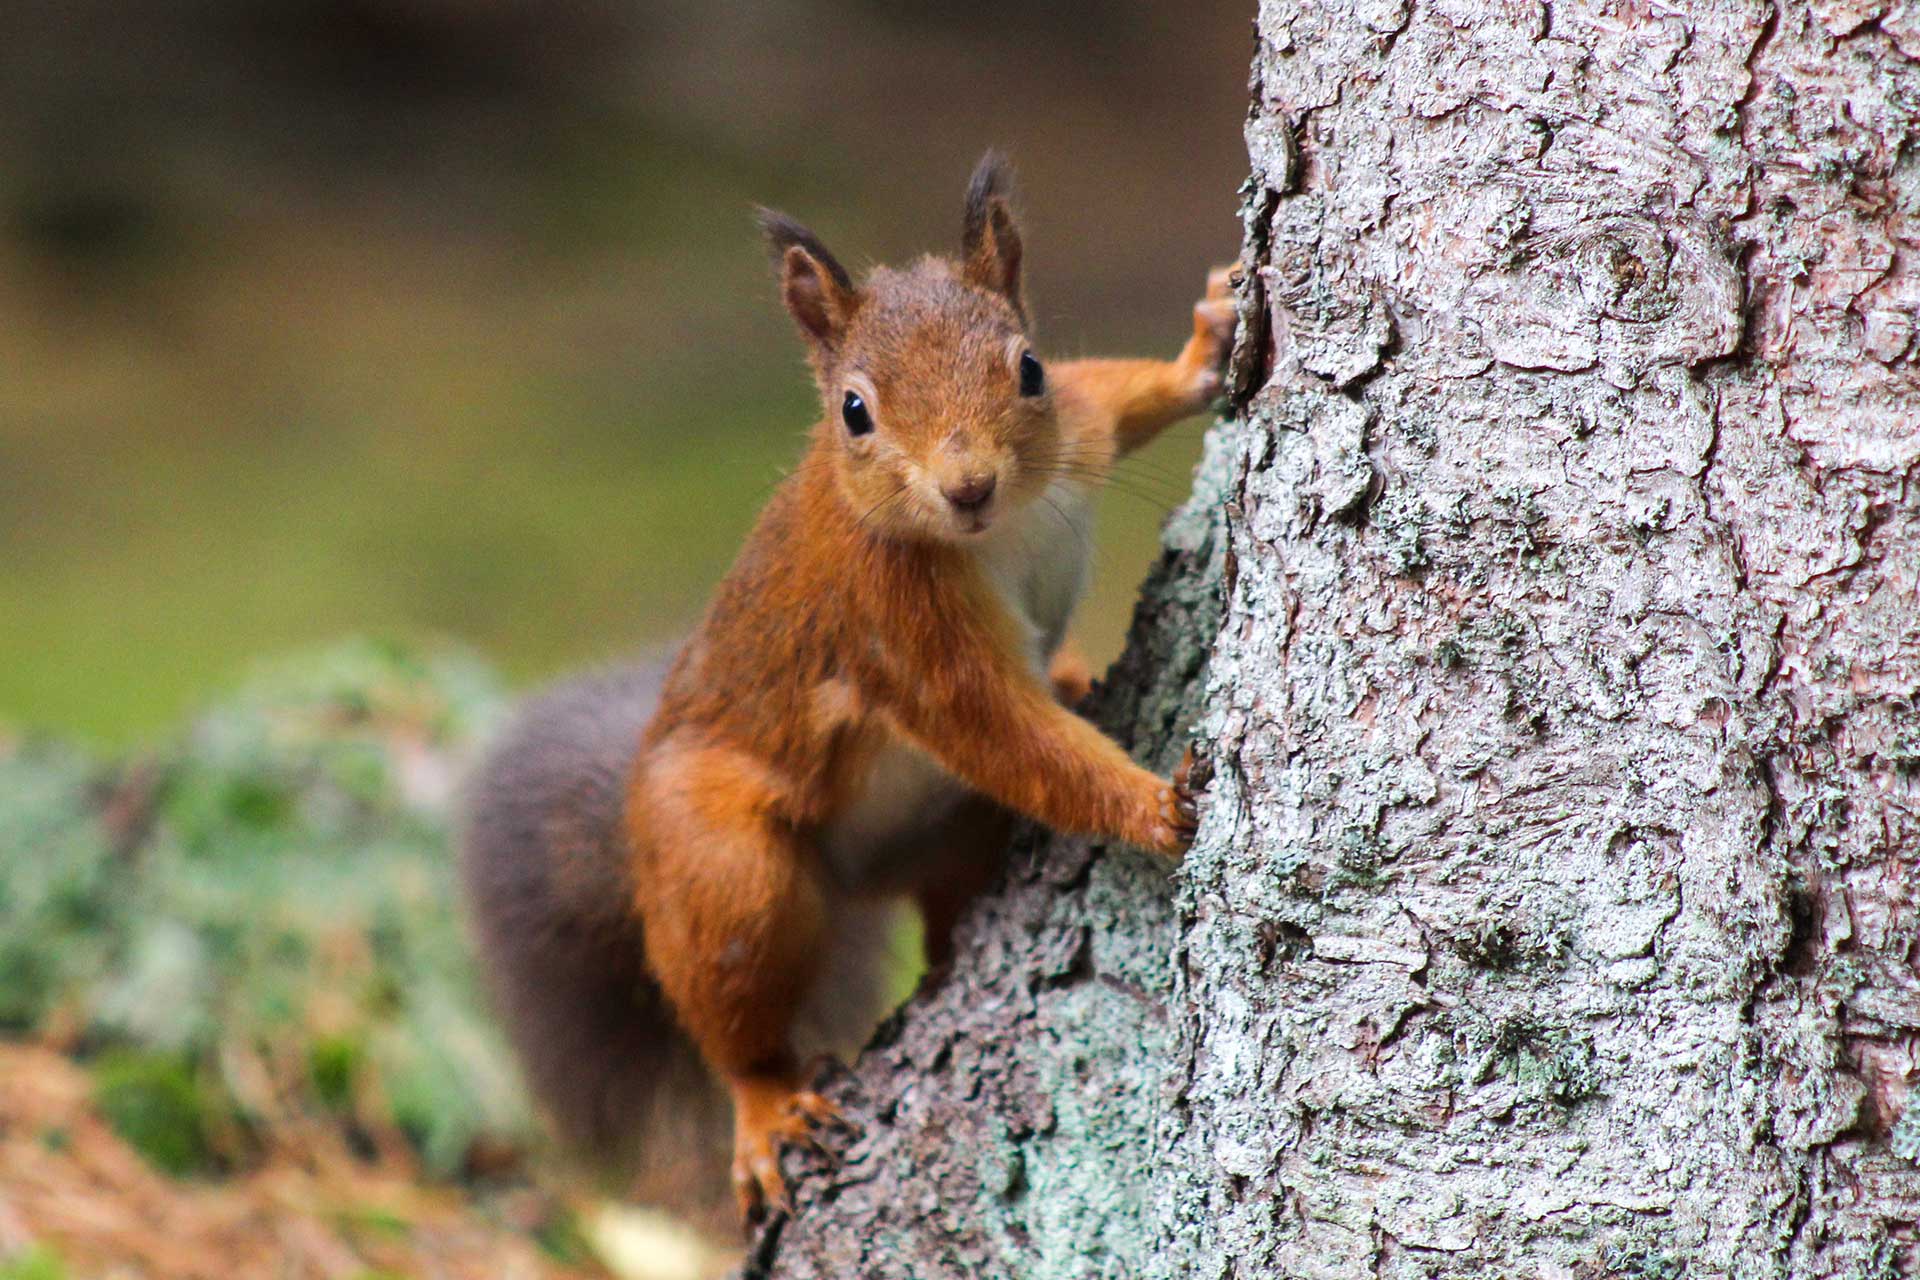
<point>1554,907</point>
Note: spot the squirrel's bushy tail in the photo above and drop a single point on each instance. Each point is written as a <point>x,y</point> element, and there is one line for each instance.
<point>551,893</point>
<point>550,890</point>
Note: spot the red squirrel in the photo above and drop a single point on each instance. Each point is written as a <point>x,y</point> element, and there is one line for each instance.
<point>877,688</point>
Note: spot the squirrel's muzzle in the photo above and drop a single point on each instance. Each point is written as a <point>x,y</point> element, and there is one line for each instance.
<point>971,493</point>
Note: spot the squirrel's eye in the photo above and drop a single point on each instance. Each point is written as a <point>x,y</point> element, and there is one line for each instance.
<point>854,410</point>
<point>1033,380</point>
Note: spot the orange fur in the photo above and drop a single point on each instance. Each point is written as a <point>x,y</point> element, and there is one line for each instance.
<point>859,623</point>
<point>1070,674</point>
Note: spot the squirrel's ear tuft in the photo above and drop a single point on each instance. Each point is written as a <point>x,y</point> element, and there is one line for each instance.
<point>992,183</point>
<point>816,288</point>
<point>989,241</point>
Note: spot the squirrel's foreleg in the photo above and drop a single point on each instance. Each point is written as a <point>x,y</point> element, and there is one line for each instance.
<point>1132,401</point>
<point>974,705</point>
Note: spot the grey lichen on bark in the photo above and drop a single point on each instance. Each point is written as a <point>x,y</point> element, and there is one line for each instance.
<point>1554,907</point>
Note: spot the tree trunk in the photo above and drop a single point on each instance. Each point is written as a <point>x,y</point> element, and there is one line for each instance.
<point>1553,912</point>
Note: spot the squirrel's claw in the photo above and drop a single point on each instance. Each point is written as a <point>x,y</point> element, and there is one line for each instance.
<point>1221,282</point>
<point>1214,315</point>
<point>759,1188</point>
<point>1185,787</point>
<point>820,1113</point>
<point>819,1116</point>
<point>1214,318</point>
<point>800,1120</point>
<point>1177,817</point>
<point>1184,803</point>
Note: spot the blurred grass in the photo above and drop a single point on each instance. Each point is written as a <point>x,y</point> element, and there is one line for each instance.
<point>370,460</point>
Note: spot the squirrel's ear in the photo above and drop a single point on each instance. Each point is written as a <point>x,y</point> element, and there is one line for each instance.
<point>816,288</point>
<point>990,242</point>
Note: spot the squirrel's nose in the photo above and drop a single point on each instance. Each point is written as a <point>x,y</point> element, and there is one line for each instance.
<point>972,493</point>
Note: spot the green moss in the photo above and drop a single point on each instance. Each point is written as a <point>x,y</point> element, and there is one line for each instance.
<point>160,1108</point>
<point>61,900</point>
<point>333,1063</point>
<point>373,1221</point>
<point>1548,1063</point>
<point>1516,514</point>
<point>1558,1067</point>
<point>292,898</point>
<point>1881,1260</point>
<point>1488,945</point>
<point>1360,851</point>
<point>1904,1138</point>
<point>1418,430</point>
<point>1641,1262</point>
<point>1498,632</point>
<point>1402,519</point>
<point>561,1238</point>
<point>37,1263</point>
<point>1502,944</point>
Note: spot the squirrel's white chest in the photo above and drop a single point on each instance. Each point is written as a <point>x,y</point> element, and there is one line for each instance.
<point>1038,566</point>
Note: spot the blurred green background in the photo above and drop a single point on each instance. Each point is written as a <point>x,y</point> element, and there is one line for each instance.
<point>445,318</point>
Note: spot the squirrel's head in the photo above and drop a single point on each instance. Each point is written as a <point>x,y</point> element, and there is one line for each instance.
<point>939,416</point>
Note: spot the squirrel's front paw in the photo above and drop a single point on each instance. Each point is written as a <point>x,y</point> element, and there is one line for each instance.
<point>1175,815</point>
<point>1213,324</point>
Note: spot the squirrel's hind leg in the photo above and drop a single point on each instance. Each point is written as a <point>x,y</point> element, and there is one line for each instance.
<point>970,851</point>
<point>736,918</point>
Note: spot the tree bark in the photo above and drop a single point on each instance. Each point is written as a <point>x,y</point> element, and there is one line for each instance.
<point>1548,615</point>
